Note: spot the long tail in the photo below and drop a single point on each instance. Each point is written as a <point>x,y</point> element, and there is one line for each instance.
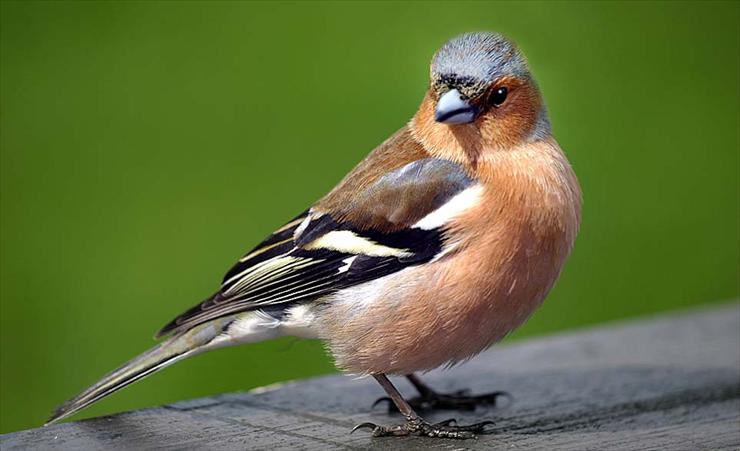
<point>183,345</point>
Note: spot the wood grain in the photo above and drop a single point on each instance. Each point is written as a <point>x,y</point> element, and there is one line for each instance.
<point>663,382</point>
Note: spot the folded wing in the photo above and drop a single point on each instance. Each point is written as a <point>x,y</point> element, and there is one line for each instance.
<point>396,221</point>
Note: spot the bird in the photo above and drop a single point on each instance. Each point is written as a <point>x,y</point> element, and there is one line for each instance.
<point>438,244</point>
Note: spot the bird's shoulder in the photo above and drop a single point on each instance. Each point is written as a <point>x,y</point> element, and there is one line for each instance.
<point>394,186</point>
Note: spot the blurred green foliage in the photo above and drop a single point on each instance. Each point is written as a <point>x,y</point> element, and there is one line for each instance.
<point>145,145</point>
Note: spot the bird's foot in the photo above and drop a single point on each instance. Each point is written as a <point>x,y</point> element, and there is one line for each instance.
<point>459,400</point>
<point>417,426</point>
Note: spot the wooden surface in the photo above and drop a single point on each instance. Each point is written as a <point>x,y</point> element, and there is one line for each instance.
<point>663,382</point>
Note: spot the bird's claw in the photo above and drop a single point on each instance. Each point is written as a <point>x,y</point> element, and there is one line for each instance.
<point>365,425</point>
<point>480,428</point>
<point>417,426</point>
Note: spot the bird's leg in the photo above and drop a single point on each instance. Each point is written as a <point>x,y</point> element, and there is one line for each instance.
<point>414,424</point>
<point>429,399</point>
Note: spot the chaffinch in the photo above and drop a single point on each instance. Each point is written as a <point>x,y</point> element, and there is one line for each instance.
<point>443,240</point>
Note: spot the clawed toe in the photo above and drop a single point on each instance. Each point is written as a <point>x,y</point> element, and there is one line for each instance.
<point>414,425</point>
<point>366,425</point>
<point>417,426</point>
<point>478,428</point>
<point>384,431</point>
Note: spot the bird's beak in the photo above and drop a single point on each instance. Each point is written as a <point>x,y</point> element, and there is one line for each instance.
<point>452,108</point>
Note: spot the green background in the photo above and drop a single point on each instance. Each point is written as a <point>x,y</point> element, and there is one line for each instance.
<point>146,145</point>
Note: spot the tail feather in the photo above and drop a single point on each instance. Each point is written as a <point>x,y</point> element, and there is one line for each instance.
<point>184,345</point>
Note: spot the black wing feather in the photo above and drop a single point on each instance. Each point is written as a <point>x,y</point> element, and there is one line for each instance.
<point>268,248</point>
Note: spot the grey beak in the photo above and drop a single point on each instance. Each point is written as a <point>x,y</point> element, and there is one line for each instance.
<point>452,108</point>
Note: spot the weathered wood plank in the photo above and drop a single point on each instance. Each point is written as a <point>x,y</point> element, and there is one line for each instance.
<point>665,382</point>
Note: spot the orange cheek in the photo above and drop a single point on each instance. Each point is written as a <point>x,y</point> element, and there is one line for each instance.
<point>511,123</point>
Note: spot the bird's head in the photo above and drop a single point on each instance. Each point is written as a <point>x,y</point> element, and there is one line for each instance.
<point>481,97</point>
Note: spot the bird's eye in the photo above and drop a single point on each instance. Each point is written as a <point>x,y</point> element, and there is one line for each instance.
<point>498,96</point>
